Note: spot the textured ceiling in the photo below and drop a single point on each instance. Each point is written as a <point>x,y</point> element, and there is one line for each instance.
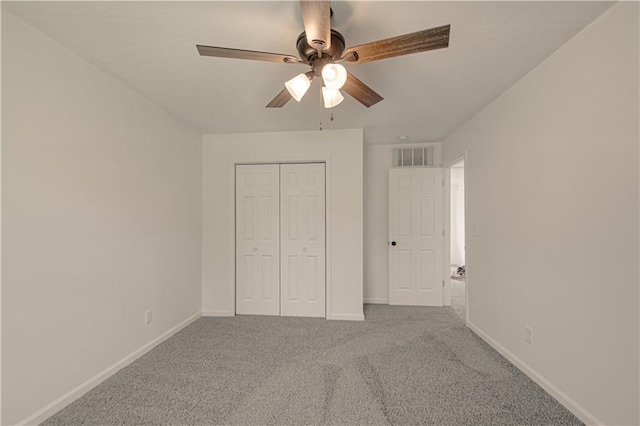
<point>150,47</point>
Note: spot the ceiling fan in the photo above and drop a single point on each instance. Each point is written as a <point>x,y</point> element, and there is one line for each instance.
<point>323,48</point>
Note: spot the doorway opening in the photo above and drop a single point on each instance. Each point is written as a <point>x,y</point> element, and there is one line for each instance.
<point>457,265</point>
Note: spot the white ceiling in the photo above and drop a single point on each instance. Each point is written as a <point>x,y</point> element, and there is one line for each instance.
<point>150,47</point>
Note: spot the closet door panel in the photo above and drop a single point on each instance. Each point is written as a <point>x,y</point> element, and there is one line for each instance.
<point>302,228</point>
<point>257,239</point>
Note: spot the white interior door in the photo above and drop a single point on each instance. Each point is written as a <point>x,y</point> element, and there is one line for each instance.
<point>302,235</point>
<point>415,236</point>
<point>257,239</point>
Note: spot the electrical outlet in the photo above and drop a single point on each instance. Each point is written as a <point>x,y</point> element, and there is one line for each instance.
<point>148,316</point>
<point>528,335</point>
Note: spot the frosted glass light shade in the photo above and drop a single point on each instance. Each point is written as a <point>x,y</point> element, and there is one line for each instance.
<point>331,97</point>
<point>298,86</point>
<point>334,76</point>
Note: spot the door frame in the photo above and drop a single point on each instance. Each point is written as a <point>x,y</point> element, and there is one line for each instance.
<point>327,216</point>
<point>447,227</point>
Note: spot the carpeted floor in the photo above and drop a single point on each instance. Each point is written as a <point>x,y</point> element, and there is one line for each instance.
<point>403,365</point>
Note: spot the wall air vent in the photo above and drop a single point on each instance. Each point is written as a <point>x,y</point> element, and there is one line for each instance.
<point>416,156</point>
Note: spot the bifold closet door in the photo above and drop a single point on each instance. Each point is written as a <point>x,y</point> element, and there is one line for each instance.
<point>302,240</point>
<point>257,239</point>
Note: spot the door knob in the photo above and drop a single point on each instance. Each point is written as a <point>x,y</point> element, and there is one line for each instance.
<point>304,249</point>
<point>255,249</point>
<point>393,243</point>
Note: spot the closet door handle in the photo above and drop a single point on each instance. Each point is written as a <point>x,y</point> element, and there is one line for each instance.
<point>254,249</point>
<point>304,249</point>
<point>393,243</point>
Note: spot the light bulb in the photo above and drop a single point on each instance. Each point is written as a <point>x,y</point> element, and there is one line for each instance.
<point>334,76</point>
<point>331,97</point>
<point>298,86</point>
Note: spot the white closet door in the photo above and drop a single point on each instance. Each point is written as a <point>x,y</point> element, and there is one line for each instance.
<point>415,236</point>
<point>257,239</point>
<point>302,235</point>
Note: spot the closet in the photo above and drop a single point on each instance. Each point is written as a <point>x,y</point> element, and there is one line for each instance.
<point>280,239</point>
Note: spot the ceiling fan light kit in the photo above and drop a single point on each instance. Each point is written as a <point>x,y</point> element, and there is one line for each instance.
<point>298,86</point>
<point>334,76</point>
<point>331,97</point>
<point>321,47</point>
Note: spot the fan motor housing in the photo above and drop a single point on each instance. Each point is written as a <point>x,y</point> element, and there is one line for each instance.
<point>308,53</point>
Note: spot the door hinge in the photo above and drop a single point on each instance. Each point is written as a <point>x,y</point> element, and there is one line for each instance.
<point>442,182</point>
<point>443,232</point>
<point>442,283</point>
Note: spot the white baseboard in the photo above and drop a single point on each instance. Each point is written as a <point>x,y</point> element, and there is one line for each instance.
<point>346,317</point>
<point>66,399</point>
<point>217,313</point>
<point>571,405</point>
<point>377,301</point>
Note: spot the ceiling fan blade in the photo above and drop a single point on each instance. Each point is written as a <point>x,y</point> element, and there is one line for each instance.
<point>420,41</point>
<point>316,16</point>
<point>360,91</point>
<point>280,100</point>
<point>224,52</point>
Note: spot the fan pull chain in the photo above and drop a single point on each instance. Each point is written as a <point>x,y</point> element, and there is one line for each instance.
<point>331,118</point>
<point>320,105</point>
